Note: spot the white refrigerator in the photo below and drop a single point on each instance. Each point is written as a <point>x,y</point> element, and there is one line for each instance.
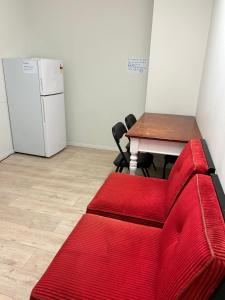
<point>35,94</point>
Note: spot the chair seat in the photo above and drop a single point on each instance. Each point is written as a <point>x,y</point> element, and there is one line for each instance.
<point>135,198</point>
<point>121,162</point>
<point>144,160</point>
<point>128,147</point>
<point>97,263</point>
<point>170,159</point>
<point>105,258</point>
<point>141,201</point>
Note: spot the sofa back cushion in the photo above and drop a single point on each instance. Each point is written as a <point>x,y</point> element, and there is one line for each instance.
<point>192,257</point>
<point>192,160</point>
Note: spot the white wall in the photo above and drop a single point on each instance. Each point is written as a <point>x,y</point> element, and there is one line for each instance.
<point>179,36</point>
<point>14,42</point>
<point>95,39</point>
<point>211,107</point>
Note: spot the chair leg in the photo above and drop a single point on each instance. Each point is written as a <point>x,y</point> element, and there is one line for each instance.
<point>154,166</point>
<point>117,169</point>
<point>143,171</point>
<point>147,172</point>
<point>121,169</point>
<point>164,170</point>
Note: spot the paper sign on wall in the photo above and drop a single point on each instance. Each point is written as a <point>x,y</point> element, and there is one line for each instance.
<point>30,66</point>
<point>138,65</point>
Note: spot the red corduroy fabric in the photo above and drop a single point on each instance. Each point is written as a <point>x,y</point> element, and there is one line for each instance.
<point>110,259</point>
<point>134,198</point>
<point>103,259</point>
<point>192,255</point>
<point>148,200</point>
<point>191,161</point>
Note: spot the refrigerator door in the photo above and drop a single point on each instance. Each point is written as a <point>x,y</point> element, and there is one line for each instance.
<point>54,123</point>
<point>6,147</point>
<point>24,101</point>
<point>51,76</point>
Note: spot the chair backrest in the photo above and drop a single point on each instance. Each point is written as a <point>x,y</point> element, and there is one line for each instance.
<point>130,120</point>
<point>192,247</point>
<point>192,160</point>
<point>118,131</point>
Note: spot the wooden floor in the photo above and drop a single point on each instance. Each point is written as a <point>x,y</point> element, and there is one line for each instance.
<point>40,202</point>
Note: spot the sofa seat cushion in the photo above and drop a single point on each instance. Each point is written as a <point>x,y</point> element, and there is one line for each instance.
<point>131,198</point>
<point>149,200</point>
<point>103,259</point>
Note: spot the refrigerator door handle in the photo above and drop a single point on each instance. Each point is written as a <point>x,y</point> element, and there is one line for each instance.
<point>43,109</point>
<point>41,85</point>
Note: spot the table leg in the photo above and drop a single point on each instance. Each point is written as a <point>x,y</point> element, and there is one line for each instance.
<point>134,142</point>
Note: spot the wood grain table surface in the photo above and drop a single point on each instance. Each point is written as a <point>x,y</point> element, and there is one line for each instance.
<point>165,127</point>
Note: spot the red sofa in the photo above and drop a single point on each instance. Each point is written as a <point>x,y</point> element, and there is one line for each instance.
<point>149,200</point>
<point>110,259</point>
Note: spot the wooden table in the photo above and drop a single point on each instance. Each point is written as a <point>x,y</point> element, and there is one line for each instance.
<point>160,133</point>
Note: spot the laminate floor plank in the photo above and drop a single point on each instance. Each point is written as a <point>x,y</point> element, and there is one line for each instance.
<point>41,200</point>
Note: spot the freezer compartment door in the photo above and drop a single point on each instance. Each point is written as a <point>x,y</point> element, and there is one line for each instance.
<point>51,76</point>
<point>54,123</point>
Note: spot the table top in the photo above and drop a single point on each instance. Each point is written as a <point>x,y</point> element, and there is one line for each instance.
<point>175,128</point>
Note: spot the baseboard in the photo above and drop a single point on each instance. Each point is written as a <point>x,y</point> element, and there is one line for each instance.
<point>83,145</point>
<point>158,158</point>
<point>5,155</point>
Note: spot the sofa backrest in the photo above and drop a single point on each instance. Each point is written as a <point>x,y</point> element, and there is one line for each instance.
<point>192,160</point>
<point>220,291</point>
<point>192,256</point>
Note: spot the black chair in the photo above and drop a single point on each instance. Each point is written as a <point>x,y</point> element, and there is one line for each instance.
<point>168,159</point>
<point>144,161</point>
<point>130,120</point>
